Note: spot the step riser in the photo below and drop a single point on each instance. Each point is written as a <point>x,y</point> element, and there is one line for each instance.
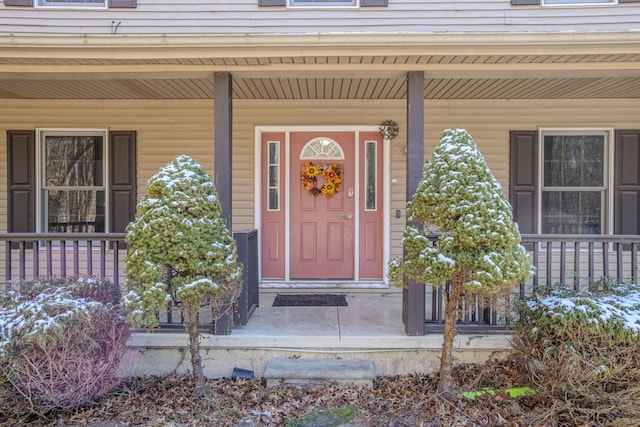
<point>305,381</point>
<point>320,371</point>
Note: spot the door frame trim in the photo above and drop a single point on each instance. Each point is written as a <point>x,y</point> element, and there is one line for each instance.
<point>386,188</point>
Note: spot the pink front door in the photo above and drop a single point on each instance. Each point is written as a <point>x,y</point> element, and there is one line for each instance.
<point>305,236</point>
<point>322,229</point>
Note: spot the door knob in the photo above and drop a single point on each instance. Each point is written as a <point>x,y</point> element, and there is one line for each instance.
<point>350,216</point>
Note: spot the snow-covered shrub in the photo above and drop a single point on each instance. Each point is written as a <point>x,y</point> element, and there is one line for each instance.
<point>478,251</point>
<point>583,349</point>
<point>61,342</point>
<point>180,252</point>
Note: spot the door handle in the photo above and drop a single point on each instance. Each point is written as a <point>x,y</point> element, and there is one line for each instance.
<point>350,216</point>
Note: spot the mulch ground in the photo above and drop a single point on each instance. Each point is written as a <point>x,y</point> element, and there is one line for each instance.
<point>408,400</point>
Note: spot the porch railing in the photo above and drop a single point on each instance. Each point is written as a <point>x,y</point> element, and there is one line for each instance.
<point>31,256</point>
<point>580,261</point>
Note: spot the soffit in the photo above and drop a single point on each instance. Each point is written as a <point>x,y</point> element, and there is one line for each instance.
<point>328,88</point>
<point>573,76</point>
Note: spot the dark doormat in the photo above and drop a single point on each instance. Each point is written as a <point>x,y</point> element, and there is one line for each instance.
<point>310,300</point>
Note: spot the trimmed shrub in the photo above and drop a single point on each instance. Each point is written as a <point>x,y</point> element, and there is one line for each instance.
<point>478,252</point>
<point>61,342</point>
<point>181,253</point>
<point>583,352</point>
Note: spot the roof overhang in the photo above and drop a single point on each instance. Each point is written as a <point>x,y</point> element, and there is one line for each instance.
<point>334,66</point>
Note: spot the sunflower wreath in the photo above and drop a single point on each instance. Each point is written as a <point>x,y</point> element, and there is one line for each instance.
<point>331,173</point>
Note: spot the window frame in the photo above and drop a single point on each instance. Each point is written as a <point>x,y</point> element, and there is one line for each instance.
<point>53,4</point>
<point>608,173</point>
<point>40,167</point>
<point>579,3</point>
<point>321,4</point>
<point>273,171</point>
<point>371,165</point>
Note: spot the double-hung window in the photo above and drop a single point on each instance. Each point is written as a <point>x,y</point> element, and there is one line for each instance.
<point>327,3</point>
<point>321,3</point>
<point>575,181</point>
<point>574,190</point>
<point>71,3</point>
<point>72,181</point>
<point>577,2</point>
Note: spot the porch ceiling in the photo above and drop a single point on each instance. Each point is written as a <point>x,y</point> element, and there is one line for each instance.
<point>511,76</point>
<point>326,88</point>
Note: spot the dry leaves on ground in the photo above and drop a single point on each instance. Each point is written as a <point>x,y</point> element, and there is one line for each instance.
<point>408,400</point>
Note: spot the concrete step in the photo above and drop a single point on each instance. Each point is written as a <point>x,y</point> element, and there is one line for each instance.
<point>319,371</point>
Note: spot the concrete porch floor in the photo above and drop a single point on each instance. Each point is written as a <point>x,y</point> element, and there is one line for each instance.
<point>370,327</point>
<point>369,314</point>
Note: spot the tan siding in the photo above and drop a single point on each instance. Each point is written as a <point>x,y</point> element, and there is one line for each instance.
<point>164,130</point>
<point>170,128</point>
<point>245,17</point>
<point>490,122</point>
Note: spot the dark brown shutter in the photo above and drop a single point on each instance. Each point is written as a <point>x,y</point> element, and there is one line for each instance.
<point>374,3</point>
<point>523,180</point>
<point>123,3</point>
<point>18,3</point>
<point>122,167</point>
<point>627,182</point>
<point>21,180</point>
<point>525,2</point>
<point>272,2</point>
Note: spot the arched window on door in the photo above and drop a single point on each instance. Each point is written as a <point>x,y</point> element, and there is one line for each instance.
<point>322,148</point>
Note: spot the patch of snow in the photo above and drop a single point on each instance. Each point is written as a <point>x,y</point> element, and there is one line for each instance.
<point>623,307</point>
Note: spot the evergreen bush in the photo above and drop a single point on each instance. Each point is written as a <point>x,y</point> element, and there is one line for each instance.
<point>181,253</point>
<point>478,251</point>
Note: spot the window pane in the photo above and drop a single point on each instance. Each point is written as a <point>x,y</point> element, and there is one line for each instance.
<point>72,161</point>
<point>322,148</point>
<point>273,176</point>
<point>273,199</point>
<point>370,177</point>
<point>574,161</point>
<point>75,211</point>
<point>273,153</point>
<point>572,212</point>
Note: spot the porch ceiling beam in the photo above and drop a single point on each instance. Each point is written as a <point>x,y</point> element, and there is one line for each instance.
<point>39,75</point>
<point>614,70</point>
<point>21,71</point>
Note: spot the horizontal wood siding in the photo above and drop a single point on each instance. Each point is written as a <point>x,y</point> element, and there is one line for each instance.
<point>166,129</point>
<point>162,17</point>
